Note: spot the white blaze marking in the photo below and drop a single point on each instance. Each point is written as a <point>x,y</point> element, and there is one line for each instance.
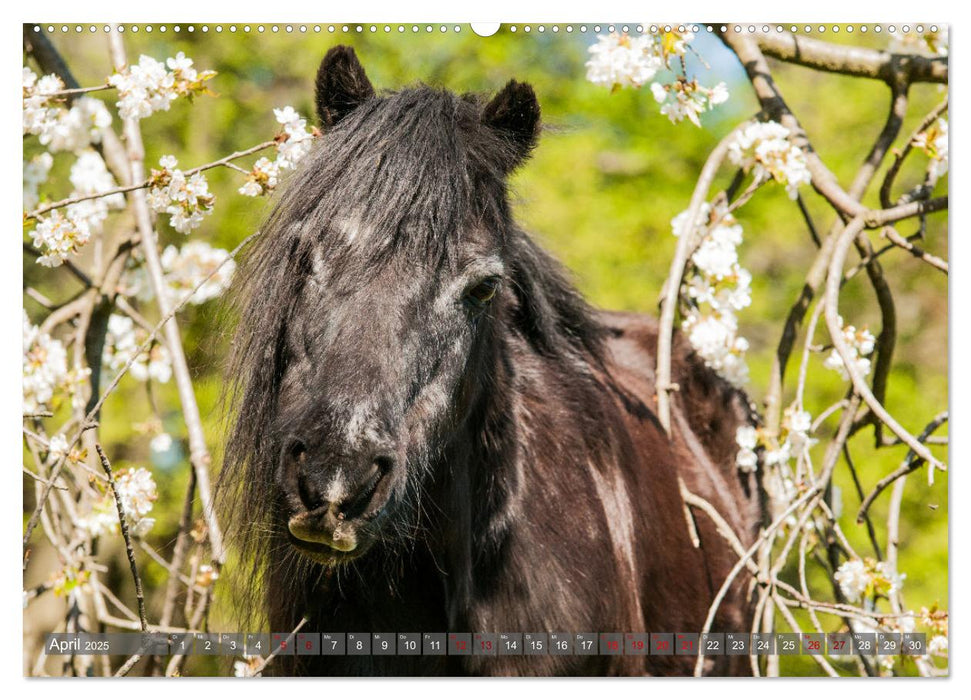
<point>335,489</point>
<point>358,423</point>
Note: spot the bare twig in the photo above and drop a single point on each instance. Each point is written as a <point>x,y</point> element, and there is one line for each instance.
<point>853,60</point>
<point>123,519</point>
<point>911,463</point>
<point>261,666</point>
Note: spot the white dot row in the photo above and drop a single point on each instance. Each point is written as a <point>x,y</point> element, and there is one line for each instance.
<point>428,28</point>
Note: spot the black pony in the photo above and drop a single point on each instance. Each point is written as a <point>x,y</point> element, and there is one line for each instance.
<point>434,432</point>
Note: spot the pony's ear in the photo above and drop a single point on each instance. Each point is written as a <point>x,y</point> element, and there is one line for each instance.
<point>341,85</point>
<point>514,113</point>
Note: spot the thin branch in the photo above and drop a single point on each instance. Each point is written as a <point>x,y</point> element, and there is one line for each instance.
<point>259,668</point>
<point>894,169</point>
<point>741,564</point>
<point>198,451</point>
<point>833,281</point>
<point>890,233</point>
<point>911,463</point>
<point>123,519</point>
<point>853,60</point>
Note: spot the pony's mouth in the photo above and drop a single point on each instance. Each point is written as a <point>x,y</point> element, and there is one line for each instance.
<point>341,531</point>
<point>324,554</point>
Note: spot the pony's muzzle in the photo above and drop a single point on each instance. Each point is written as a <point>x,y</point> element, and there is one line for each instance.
<point>335,520</point>
<point>329,528</point>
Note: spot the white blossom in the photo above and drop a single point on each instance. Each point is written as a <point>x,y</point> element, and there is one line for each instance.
<point>137,492</point>
<point>188,267</point>
<point>686,99</point>
<point>36,171</point>
<point>149,86</point>
<point>121,344</point>
<point>161,443</point>
<point>858,578</point>
<point>186,200</point>
<point>747,438</point>
<point>295,142</point>
<point>620,60</point>
<point>765,149</point>
<point>937,646</point>
<point>40,107</point>
<point>90,176</point>
<point>262,179</point>
<point>78,127</point>
<point>718,287</point>
<point>44,369</point>
<point>797,425</point>
<point>853,579</point>
<point>57,448</point>
<point>861,343</point>
<point>57,237</point>
<point>56,127</point>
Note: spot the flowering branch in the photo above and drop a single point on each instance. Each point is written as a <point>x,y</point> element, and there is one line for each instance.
<point>225,161</point>
<point>199,453</point>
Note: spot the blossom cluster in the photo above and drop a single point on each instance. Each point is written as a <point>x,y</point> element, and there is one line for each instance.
<point>62,234</point>
<point>187,268</point>
<point>292,144</point>
<point>764,149</point>
<point>150,86</point>
<point>933,142</point>
<point>58,237</point>
<point>45,367</point>
<point>183,270</point>
<point>295,140</point>
<point>137,492</point>
<point>262,179</point>
<point>36,171</point>
<point>57,128</point>
<point>864,578</point>
<point>90,176</point>
<point>792,441</point>
<point>620,60</point>
<point>122,343</point>
<point>861,343</point>
<point>186,200</point>
<point>686,99</point>
<point>717,287</point>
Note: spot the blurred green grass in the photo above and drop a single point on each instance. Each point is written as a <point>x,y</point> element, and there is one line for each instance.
<point>609,174</point>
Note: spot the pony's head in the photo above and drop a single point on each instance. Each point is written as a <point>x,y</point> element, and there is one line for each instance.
<point>375,306</point>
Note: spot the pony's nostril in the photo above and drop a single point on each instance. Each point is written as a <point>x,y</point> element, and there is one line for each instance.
<point>384,464</point>
<point>297,457</point>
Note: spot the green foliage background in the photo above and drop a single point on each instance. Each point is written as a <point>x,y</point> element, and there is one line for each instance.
<point>609,174</point>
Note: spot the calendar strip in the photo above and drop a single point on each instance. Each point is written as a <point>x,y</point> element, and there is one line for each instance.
<point>489,644</point>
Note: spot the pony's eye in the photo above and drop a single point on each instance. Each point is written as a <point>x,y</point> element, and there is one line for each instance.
<point>482,293</point>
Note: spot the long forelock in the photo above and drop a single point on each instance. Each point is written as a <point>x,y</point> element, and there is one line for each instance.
<point>405,173</point>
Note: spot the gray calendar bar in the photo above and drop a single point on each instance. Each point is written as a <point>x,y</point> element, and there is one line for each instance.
<point>489,644</point>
